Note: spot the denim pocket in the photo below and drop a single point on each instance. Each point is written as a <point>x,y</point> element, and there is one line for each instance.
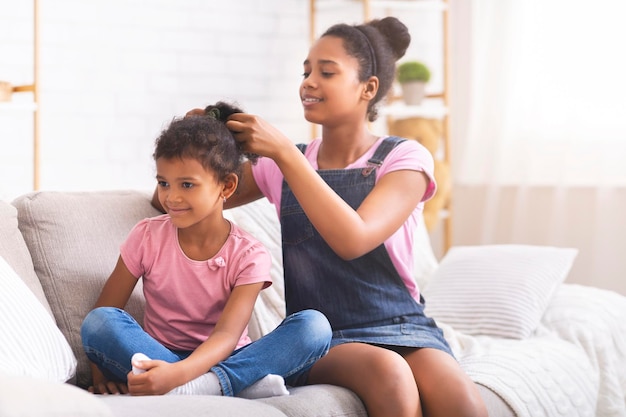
<point>296,227</point>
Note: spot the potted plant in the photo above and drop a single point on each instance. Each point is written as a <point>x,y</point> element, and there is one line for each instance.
<point>412,77</point>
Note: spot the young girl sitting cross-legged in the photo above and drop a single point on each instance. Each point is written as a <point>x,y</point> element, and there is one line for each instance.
<point>201,276</point>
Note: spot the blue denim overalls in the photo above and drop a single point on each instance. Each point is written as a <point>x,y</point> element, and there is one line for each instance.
<point>364,299</point>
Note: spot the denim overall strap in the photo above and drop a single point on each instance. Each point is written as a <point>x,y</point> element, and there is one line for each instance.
<point>381,152</point>
<point>366,290</point>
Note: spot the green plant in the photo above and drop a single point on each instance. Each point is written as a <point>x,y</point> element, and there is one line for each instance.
<point>412,71</point>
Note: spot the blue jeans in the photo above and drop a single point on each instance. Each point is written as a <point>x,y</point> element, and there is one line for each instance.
<point>111,336</point>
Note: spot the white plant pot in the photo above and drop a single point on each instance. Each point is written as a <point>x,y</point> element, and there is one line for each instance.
<point>413,92</point>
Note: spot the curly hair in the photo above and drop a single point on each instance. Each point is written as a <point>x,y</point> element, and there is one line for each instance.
<point>376,45</point>
<point>205,139</point>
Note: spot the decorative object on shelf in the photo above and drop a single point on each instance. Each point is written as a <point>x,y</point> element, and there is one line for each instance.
<point>413,76</point>
<point>6,89</point>
<point>429,132</point>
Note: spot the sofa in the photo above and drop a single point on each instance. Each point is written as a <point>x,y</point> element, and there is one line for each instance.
<point>534,345</point>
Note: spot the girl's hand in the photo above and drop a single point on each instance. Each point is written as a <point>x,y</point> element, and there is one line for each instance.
<point>259,136</point>
<point>109,387</point>
<point>160,378</point>
<point>101,385</point>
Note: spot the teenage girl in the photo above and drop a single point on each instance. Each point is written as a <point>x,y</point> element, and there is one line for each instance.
<point>349,203</point>
<point>201,276</point>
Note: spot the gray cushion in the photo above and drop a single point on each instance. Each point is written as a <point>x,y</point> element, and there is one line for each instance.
<point>188,406</point>
<point>331,400</point>
<point>14,250</point>
<point>319,400</point>
<point>74,240</point>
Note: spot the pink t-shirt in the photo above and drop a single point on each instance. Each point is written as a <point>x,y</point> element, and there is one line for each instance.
<point>409,155</point>
<point>185,297</point>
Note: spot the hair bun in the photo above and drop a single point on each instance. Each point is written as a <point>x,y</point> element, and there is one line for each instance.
<point>395,33</point>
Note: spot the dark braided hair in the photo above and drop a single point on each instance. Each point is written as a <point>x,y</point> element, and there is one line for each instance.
<point>205,139</point>
<point>376,45</point>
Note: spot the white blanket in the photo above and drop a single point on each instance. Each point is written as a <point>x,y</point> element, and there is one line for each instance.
<point>595,320</point>
<point>574,365</point>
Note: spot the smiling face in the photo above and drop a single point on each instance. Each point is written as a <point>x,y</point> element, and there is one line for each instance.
<point>188,192</point>
<point>331,92</point>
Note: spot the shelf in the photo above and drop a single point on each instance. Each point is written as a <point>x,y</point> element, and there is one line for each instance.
<point>427,5</point>
<point>30,88</point>
<point>17,106</point>
<point>17,103</point>
<point>428,110</point>
<point>434,5</point>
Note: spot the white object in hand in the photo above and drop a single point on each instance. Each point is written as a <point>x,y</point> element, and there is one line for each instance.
<point>136,358</point>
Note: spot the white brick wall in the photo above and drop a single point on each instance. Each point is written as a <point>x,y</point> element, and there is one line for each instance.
<point>113,73</point>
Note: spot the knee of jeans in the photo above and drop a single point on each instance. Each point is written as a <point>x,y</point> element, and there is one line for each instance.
<point>96,322</point>
<point>315,327</point>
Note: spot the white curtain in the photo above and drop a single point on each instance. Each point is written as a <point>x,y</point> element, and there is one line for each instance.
<point>539,128</point>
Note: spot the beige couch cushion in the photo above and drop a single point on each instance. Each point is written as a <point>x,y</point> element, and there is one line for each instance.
<point>74,240</point>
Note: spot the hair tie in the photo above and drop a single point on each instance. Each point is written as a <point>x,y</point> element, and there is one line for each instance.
<point>213,113</point>
<point>371,48</point>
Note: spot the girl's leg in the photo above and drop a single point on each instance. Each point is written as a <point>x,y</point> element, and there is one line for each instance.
<point>288,351</point>
<point>445,389</point>
<point>380,377</point>
<point>110,338</point>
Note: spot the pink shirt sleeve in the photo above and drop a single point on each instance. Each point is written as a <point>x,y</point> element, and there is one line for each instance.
<point>411,155</point>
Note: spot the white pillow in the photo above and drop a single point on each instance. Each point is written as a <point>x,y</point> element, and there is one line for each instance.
<point>32,397</point>
<point>424,260</point>
<point>30,342</point>
<point>260,219</point>
<point>496,290</point>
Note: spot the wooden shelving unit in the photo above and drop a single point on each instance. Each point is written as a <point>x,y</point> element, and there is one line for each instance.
<point>436,105</point>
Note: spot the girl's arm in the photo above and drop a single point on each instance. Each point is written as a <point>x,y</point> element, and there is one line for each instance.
<point>163,377</point>
<point>353,233</point>
<point>118,287</point>
<point>350,233</point>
